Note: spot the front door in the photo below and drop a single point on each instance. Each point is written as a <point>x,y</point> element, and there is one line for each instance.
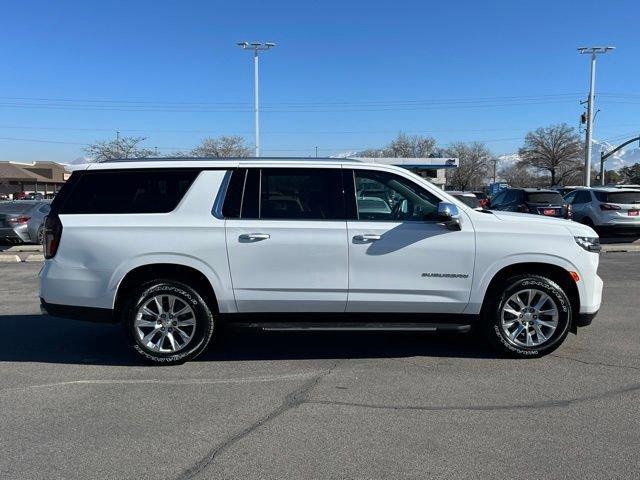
<point>288,249</point>
<point>401,259</point>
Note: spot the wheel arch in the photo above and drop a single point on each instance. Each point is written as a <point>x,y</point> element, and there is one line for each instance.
<point>554,272</point>
<point>172,271</point>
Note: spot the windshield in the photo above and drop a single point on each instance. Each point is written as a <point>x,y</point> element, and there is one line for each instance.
<point>619,197</point>
<point>547,198</point>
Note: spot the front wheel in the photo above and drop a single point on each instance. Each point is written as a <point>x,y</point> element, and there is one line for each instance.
<point>168,322</point>
<point>527,316</point>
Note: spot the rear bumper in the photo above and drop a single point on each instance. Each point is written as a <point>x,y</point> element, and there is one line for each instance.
<point>87,314</point>
<point>10,234</point>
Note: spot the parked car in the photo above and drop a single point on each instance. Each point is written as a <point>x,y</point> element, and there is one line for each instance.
<point>483,198</point>
<point>537,201</point>
<point>567,189</point>
<point>23,221</point>
<point>468,198</point>
<point>20,196</point>
<point>182,247</point>
<point>35,196</point>
<point>607,209</point>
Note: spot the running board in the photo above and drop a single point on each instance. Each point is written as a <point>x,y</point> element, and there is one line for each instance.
<point>354,327</point>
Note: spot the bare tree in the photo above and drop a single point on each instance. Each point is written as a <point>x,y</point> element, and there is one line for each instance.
<point>474,166</point>
<point>404,146</point>
<point>121,147</point>
<point>520,176</point>
<point>556,150</point>
<point>222,147</point>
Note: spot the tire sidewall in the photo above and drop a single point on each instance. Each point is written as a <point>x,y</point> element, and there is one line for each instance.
<point>203,316</point>
<point>513,285</point>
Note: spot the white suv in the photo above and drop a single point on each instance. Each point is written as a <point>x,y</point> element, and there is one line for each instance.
<point>174,248</point>
<point>610,210</point>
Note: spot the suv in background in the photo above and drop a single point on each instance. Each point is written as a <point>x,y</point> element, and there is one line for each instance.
<point>183,246</point>
<point>537,201</point>
<point>468,198</point>
<point>608,209</point>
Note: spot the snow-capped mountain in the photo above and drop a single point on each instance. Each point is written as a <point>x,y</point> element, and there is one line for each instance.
<point>624,158</point>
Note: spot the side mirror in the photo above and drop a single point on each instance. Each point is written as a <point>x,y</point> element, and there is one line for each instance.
<point>449,215</point>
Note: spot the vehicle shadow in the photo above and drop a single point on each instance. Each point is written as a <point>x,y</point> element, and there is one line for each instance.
<point>41,338</point>
<point>628,238</point>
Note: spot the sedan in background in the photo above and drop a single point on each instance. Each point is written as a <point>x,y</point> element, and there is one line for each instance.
<point>537,201</point>
<point>22,221</point>
<point>608,209</point>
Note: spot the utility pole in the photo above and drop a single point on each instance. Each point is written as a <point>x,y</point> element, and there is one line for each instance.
<point>495,164</point>
<point>256,47</point>
<point>593,51</point>
<point>316,152</point>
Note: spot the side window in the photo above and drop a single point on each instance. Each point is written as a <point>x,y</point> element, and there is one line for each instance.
<point>571,197</point>
<point>387,197</point>
<point>583,197</point>
<point>498,199</point>
<point>510,196</point>
<point>301,194</point>
<point>128,191</point>
<point>233,198</point>
<point>601,196</point>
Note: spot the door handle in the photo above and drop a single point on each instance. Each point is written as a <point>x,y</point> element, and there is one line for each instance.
<point>367,237</point>
<point>254,237</point>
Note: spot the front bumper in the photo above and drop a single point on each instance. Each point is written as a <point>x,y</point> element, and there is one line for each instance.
<point>585,319</point>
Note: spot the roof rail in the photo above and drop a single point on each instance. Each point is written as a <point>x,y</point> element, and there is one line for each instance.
<point>222,159</point>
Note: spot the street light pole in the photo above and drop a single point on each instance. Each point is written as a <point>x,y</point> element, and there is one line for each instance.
<point>256,47</point>
<point>593,51</point>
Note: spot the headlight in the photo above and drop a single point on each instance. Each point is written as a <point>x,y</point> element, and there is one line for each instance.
<point>590,244</point>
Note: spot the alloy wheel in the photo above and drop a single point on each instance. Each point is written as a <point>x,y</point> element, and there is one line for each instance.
<point>165,324</point>
<point>529,318</point>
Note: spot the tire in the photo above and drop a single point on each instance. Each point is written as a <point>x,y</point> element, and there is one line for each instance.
<point>40,236</point>
<point>536,336</point>
<point>588,222</point>
<point>172,339</point>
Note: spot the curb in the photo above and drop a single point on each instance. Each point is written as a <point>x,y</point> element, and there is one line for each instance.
<point>9,259</point>
<point>37,257</point>
<point>23,248</point>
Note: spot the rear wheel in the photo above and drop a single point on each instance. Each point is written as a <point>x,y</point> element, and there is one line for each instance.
<point>168,322</point>
<point>527,316</point>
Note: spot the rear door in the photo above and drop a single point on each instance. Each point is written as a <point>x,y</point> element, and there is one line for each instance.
<point>287,245</point>
<point>401,259</point>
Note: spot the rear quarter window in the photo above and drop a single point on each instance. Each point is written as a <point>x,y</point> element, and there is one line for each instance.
<point>126,191</point>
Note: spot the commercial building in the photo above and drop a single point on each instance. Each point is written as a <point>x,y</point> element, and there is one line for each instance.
<point>36,177</point>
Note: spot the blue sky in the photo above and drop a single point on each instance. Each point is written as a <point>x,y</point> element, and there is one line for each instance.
<point>344,75</point>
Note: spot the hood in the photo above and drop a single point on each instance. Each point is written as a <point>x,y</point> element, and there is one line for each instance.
<point>526,219</point>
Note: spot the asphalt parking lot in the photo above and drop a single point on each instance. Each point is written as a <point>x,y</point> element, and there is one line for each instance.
<point>76,404</point>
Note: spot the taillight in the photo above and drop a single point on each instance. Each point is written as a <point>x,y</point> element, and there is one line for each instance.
<point>20,219</point>
<point>52,234</point>
<point>608,206</point>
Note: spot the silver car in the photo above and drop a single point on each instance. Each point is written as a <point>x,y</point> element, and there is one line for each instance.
<point>22,221</point>
<point>608,209</point>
